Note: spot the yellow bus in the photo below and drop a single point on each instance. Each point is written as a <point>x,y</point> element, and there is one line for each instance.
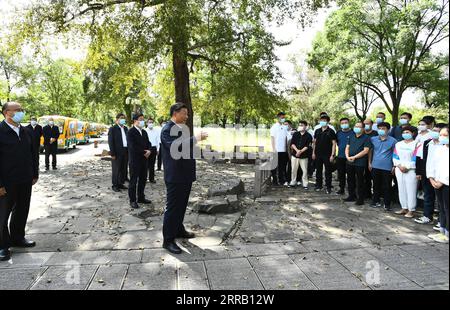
<point>82,132</point>
<point>93,130</point>
<point>67,131</point>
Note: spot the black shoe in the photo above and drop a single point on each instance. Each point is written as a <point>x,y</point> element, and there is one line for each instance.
<point>328,191</point>
<point>145,201</point>
<point>116,189</point>
<point>47,168</point>
<point>186,235</point>
<point>359,203</point>
<point>25,243</point>
<point>134,205</point>
<point>5,255</point>
<point>318,189</point>
<point>54,168</point>
<point>349,199</point>
<point>172,247</point>
<point>340,192</point>
<point>122,187</point>
<point>387,209</point>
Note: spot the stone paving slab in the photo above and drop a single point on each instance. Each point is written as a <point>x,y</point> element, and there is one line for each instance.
<point>151,276</point>
<point>410,266</point>
<point>232,274</point>
<point>140,240</point>
<point>55,242</point>
<point>374,273</point>
<point>109,277</point>
<point>19,279</point>
<point>436,256</point>
<point>65,278</point>
<point>95,257</point>
<point>326,273</point>
<point>192,276</point>
<point>335,244</point>
<point>279,272</point>
<point>22,260</point>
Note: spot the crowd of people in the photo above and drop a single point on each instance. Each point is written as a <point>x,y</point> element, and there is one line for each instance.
<point>374,161</point>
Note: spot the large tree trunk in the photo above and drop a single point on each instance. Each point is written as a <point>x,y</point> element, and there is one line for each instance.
<point>182,82</point>
<point>395,113</point>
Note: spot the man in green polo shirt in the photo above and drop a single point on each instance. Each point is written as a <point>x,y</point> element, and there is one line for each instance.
<point>357,151</point>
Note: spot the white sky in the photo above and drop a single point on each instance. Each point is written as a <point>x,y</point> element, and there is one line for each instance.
<point>301,41</point>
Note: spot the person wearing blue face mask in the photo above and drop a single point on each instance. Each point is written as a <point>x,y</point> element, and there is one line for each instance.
<point>425,172</point>
<point>405,159</point>
<point>381,118</point>
<point>341,161</point>
<point>139,147</point>
<point>356,152</point>
<point>118,149</point>
<point>380,164</point>
<point>439,178</point>
<point>19,171</point>
<point>368,130</point>
<point>405,121</point>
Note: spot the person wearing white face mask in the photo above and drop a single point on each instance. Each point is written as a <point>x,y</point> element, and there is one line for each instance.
<point>439,172</point>
<point>279,139</point>
<point>37,133</point>
<point>19,171</point>
<point>138,153</point>
<point>118,148</point>
<point>424,172</point>
<point>301,145</point>
<point>154,135</point>
<point>51,135</point>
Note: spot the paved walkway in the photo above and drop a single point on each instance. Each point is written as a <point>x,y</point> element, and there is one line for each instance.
<point>88,238</point>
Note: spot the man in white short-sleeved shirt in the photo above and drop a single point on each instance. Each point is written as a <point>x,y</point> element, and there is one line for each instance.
<point>279,136</point>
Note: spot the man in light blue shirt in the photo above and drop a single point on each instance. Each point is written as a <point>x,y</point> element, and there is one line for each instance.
<point>381,165</point>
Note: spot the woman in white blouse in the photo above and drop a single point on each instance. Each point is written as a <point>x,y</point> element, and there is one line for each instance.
<point>405,156</point>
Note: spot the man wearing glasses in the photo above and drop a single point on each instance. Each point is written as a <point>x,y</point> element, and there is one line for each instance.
<point>18,173</point>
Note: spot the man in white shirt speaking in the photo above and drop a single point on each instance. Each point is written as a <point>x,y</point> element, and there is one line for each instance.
<point>154,136</point>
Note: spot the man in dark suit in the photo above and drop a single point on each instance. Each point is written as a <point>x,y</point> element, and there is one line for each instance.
<point>117,140</point>
<point>19,171</point>
<point>37,132</point>
<point>138,153</point>
<point>179,174</point>
<point>51,136</point>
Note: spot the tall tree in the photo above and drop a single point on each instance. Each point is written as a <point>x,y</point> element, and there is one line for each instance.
<point>188,30</point>
<point>391,42</point>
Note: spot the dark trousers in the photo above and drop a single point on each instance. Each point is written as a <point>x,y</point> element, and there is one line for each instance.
<point>177,201</point>
<point>289,170</point>
<point>16,204</point>
<point>382,186</point>
<point>311,166</point>
<point>442,197</point>
<point>283,159</point>
<point>279,174</point>
<point>119,169</point>
<point>355,176</point>
<point>341,165</point>
<point>160,157</point>
<point>138,179</point>
<point>320,163</point>
<point>151,164</point>
<point>429,197</point>
<point>50,149</point>
<point>367,183</point>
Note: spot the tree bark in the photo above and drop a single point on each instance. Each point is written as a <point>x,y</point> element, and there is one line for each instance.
<point>182,82</point>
